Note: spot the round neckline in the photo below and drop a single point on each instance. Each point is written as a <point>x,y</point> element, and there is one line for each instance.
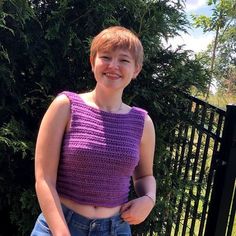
<point>100,110</point>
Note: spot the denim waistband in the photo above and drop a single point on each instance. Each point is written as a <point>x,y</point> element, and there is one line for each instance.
<point>91,224</point>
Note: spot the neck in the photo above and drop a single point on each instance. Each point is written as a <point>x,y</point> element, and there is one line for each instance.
<point>110,102</point>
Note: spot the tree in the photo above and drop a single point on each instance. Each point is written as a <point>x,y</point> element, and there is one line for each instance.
<point>45,49</point>
<point>222,20</point>
<point>225,70</point>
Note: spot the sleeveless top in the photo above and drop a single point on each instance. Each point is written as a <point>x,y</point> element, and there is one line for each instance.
<point>99,154</point>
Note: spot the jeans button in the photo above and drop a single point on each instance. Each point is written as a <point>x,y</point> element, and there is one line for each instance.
<point>93,226</point>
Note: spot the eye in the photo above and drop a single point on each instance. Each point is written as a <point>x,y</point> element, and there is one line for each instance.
<point>104,57</point>
<point>125,61</point>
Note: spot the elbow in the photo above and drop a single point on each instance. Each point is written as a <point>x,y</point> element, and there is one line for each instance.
<point>145,177</point>
<point>42,184</point>
<point>38,185</point>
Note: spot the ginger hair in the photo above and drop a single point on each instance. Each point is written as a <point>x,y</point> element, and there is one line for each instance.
<point>117,37</point>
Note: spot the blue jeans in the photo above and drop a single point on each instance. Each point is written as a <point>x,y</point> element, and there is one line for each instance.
<point>82,226</point>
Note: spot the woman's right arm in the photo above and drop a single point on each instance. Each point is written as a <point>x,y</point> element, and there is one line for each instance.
<point>47,154</point>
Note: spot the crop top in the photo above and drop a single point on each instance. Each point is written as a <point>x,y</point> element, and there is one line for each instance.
<point>99,154</point>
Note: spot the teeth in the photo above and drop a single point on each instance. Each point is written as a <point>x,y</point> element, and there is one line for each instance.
<point>109,74</point>
<point>112,75</point>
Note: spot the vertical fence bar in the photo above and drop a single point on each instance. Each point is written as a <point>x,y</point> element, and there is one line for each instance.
<point>197,157</point>
<point>202,171</point>
<point>178,134</point>
<point>224,178</point>
<point>232,215</point>
<point>210,177</point>
<point>179,171</point>
<point>188,170</point>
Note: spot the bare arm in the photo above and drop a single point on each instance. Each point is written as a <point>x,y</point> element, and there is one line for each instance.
<point>135,211</point>
<point>47,155</point>
<point>144,181</point>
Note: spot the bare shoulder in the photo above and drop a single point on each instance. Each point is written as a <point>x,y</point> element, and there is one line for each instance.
<point>60,103</point>
<point>58,112</point>
<point>148,120</point>
<point>148,123</point>
<point>148,136</point>
<point>62,100</point>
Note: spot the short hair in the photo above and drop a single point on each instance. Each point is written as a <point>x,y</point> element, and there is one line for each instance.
<point>117,37</point>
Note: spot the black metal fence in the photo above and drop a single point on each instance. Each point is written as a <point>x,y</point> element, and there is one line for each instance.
<point>204,157</point>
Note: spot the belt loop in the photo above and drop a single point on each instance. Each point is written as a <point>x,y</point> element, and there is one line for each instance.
<point>113,226</point>
<point>69,215</point>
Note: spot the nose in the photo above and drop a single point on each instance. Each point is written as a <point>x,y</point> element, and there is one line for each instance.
<point>113,63</point>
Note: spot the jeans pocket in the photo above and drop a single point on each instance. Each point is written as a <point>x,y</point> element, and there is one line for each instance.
<point>41,227</point>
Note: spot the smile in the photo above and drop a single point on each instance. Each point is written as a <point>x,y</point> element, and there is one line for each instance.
<point>112,76</point>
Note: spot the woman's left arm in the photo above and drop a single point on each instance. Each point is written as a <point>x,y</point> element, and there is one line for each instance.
<point>137,210</point>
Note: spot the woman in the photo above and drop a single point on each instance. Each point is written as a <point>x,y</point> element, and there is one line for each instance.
<point>90,144</point>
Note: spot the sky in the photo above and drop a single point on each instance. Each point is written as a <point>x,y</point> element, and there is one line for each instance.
<point>195,40</point>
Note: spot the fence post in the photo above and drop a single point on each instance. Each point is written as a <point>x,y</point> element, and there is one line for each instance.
<point>224,180</point>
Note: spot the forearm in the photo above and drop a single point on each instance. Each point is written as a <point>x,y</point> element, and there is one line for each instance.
<point>51,207</point>
<point>146,186</point>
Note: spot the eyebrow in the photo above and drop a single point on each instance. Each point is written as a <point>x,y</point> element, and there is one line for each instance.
<point>125,55</point>
<point>128,55</point>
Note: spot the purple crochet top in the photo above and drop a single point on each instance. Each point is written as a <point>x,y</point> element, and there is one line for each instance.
<point>99,154</point>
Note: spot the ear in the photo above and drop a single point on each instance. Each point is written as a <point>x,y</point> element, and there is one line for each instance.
<point>137,70</point>
<point>91,62</point>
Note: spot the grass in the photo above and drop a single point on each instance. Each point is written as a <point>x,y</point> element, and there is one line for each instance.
<point>220,99</point>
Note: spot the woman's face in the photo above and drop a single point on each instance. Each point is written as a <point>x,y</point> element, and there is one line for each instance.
<point>114,68</point>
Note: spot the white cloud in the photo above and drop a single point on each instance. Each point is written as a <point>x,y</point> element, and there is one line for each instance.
<point>195,44</point>
<point>196,40</point>
<point>192,5</point>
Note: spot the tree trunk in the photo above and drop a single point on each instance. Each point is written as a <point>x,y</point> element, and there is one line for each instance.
<point>216,40</point>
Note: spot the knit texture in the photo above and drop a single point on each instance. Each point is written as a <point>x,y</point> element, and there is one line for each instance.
<point>99,154</point>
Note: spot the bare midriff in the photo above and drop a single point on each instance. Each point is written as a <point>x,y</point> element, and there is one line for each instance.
<point>89,211</point>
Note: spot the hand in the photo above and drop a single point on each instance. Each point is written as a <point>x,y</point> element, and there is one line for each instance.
<point>136,211</point>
